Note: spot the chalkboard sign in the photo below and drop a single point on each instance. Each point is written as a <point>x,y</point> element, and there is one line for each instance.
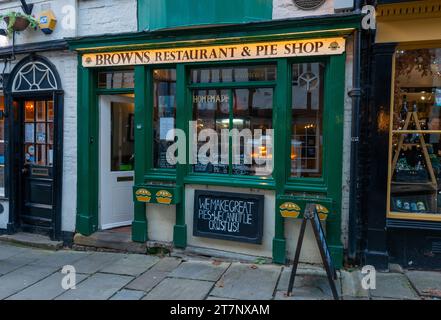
<point>321,241</point>
<point>229,216</point>
<point>312,216</point>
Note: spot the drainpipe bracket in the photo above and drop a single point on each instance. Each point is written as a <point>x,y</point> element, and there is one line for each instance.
<point>355,92</point>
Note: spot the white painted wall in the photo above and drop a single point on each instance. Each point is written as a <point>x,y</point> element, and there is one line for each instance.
<point>161,221</point>
<point>107,16</point>
<point>77,18</point>
<point>283,9</point>
<point>4,216</point>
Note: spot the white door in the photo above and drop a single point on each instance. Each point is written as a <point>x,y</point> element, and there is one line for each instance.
<point>116,161</point>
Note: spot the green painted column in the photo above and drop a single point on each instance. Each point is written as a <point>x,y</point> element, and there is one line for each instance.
<point>87,187</point>
<point>281,127</point>
<point>335,81</point>
<point>139,225</point>
<point>182,118</point>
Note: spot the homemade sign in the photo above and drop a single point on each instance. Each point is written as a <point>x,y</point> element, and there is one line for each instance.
<point>229,216</point>
<point>311,215</point>
<point>260,50</point>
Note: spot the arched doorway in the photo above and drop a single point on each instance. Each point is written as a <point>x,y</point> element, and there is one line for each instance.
<point>36,140</point>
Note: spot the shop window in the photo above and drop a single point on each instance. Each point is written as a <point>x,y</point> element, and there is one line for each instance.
<point>39,133</point>
<point>164,114</point>
<point>307,120</point>
<point>225,75</point>
<point>234,125</point>
<point>121,79</point>
<point>2,147</point>
<point>415,164</point>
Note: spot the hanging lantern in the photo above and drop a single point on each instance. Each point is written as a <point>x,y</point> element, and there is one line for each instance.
<point>47,21</point>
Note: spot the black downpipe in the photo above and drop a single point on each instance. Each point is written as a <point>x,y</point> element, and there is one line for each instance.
<point>355,94</point>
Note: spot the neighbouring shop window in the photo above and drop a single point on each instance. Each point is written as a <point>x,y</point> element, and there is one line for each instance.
<point>121,79</point>
<point>39,133</point>
<point>164,114</point>
<point>2,147</point>
<point>307,119</point>
<point>248,111</point>
<point>415,185</point>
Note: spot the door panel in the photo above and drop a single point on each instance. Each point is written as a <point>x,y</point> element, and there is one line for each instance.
<point>116,161</point>
<point>36,186</point>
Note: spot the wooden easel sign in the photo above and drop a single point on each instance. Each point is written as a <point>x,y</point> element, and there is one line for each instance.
<point>312,216</point>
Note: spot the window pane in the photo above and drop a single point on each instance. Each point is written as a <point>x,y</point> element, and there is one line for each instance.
<point>416,155</point>
<point>252,117</point>
<point>124,79</point>
<point>50,111</point>
<point>41,133</point>
<point>2,148</point>
<point>29,111</point>
<point>41,111</point>
<point>29,150</point>
<point>164,115</point>
<point>307,119</point>
<point>242,74</point>
<point>211,112</point>
<point>122,142</point>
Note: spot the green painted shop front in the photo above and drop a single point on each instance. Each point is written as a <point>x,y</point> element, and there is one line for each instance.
<point>327,186</point>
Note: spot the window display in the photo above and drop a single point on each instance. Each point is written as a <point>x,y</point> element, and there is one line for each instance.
<point>247,111</point>
<point>164,114</point>
<point>415,171</point>
<point>307,115</point>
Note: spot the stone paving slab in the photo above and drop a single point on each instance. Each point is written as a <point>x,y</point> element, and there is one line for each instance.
<point>7,251</point>
<point>132,265</point>
<point>200,270</point>
<point>96,261</point>
<point>61,258</point>
<point>21,278</point>
<point>393,286</point>
<point>14,263</point>
<point>46,289</point>
<point>147,281</point>
<point>180,289</point>
<point>351,287</point>
<point>248,282</point>
<point>99,286</point>
<point>167,264</point>
<point>427,283</point>
<point>311,286</point>
<point>128,295</point>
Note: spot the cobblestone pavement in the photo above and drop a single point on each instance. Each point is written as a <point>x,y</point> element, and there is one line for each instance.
<point>27,273</point>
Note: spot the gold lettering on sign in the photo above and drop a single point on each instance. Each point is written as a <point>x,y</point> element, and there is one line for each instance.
<point>211,99</point>
<point>278,49</point>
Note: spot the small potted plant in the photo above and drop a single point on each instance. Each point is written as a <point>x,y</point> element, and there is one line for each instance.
<point>17,21</point>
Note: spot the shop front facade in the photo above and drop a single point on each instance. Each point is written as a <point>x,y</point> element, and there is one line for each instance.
<point>403,216</point>
<point>154,106</point>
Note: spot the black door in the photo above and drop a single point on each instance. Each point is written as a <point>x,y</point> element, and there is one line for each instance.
<point>36,156</point>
